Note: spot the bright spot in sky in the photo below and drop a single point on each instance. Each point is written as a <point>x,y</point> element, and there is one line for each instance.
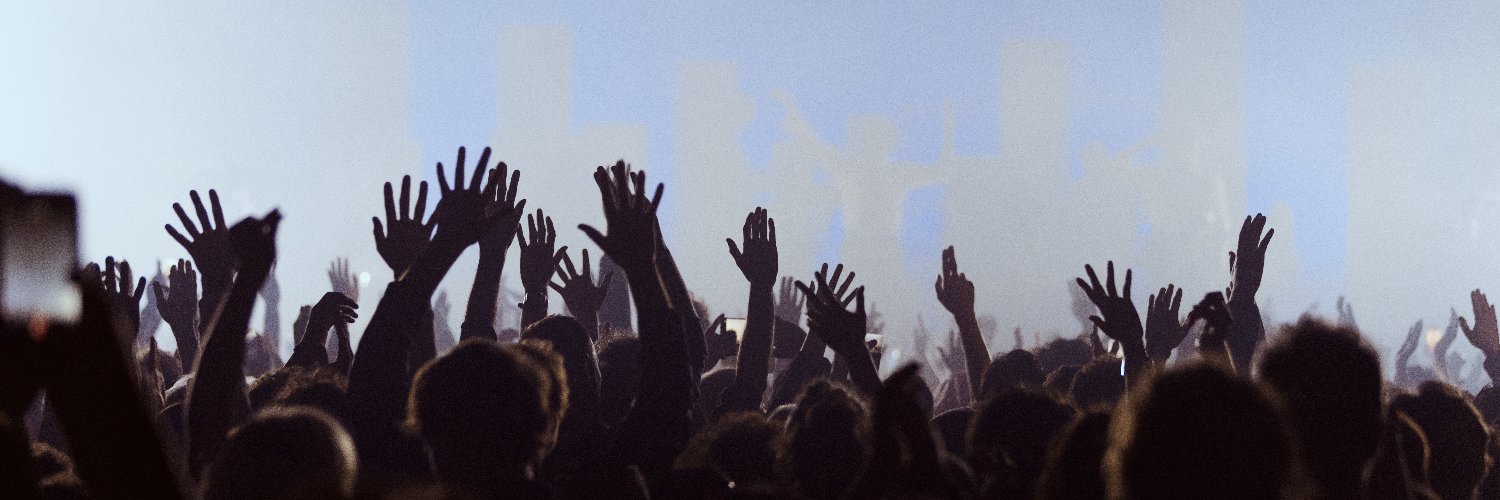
<point>364,279</point>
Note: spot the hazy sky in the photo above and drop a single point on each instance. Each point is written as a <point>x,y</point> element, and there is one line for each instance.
<point>310,106</point>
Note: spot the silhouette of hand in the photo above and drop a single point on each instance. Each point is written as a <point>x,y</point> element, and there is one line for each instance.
<point>341,280</point>
<point>578,290</point>
<point>1214,312</point>
<point>441,307</point>
<point>842,329</point>
<point>788,302</point>
<point>629,216</point>
<point>1485,334</point>
<point>403,237</point>
<point>954,290</point>
<point>719,342</point>
<point>1248,264</point>
<point>1163,330</point>
<point>758,261</point>
<point>467,213</point>
<point>1409,346</point>
<point>506,212</point>
<point>116,280</point>
<point>177,299</point>
<point>537,258</point>
<point>330,310</point>
<point>210,248</point>
<point>254,244</point>
<point>1121,321</point>
<point>299,326</point>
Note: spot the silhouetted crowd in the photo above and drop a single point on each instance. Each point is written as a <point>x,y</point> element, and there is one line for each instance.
<point>1210,404</point>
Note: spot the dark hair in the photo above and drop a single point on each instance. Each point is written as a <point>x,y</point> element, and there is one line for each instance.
<point>284,453</point>
<point>1329,378</point>
<point>1009,436</point>
<point>1098,384</point>
<point>739,446</point>
<point>827,440</point>
<point>1015,368</point>
<point>619,375</point>
<point>1075,464</point>
<point>1199,432</point>
<point>1455,433</point>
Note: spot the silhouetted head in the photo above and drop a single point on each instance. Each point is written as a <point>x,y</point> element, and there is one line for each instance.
<point>1015,368</point>
<point>1061,379</point>
<point>952,428</point>
<point>1099,384</point>
<point>1329,378</point>
<point>619,375</point>
<point>711,387</point>
<point>1399,468</point>
<point>1456,435</point>
<point>1009,435</point>
<point>1062,352</point>
<point>284,453</point>
<point>1075,464</point>
<point>323,388</point>
<point>1199,432</point>
<point>570,340</point>
<point>267,387</point>
<point>488,413</point>
<point>827,440</point>
<point>741,447</point>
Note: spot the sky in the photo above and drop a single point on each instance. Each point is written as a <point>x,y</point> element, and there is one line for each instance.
<point>1161,110</point>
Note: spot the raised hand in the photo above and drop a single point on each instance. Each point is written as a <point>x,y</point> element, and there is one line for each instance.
<point>1163,330</point>
<point>403,236</point>
<point>1408,347</point>
<point>253,242</point>
<point>505,211</point>
<point>1248,263</point>
<point>468,213</point>
<point>719,342</point>
<point>210,248</point>
<point>177,301</point>
<point>578,290</point>
<point>538,260</point>
<point>1485,334</point>
<point>758,260</point>
<point>630,218</point>
<point>1214,312</point>
<point>827,317</point>
<point>333,308</point>
<point>788,302</point>
<point>116,280</point>
<point>341,280</point>
<point>1120,320</point>
<point>954,290</point>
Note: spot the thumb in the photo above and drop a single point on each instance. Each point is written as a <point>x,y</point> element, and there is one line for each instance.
<point>594,234</point>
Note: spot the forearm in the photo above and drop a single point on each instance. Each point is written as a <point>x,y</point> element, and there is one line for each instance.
<point>311,352</point>
<point>1246,331</point>
<point>677,291</point>
<point>808,365</point>
<point>187,343</point>
<point>754,356</point>
<point>862,372</point>
<point>112,439</point>
<point>479,317</point>
<point>534,307</point>
<point>271,328</point>
<point>976,354</point>
<point>1137,362</point>
<point>380,378</point>
<point>346,351</point>
<point>216,399</point>
<point>664,364</point>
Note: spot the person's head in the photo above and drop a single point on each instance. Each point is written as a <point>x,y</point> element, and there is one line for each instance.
<point>1199,432</point>
<point>1456,436</point>
<point>323,388</point>
<point>740,447</point>
<point>1010,433</point>
<point>570,340</point>
<point>1061,379</point>
<point>1329,378</point>
<point>1399,468</point>
<point>952,428</point>
<point>488,411</point>
<point>711,386</point>
<point>284,453</point>
<point>1098,384</point>
<point>827,440</point>
<point>1060,352</point>
<point>265,389</point>
<point>1014,368</point>
<point>619,375</point>
<point>1075,462</point>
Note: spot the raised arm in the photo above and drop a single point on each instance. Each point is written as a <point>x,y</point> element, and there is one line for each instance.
<point>1485,334</point>
<point>402,239</point>
<point>505,212</point>
<point>580,293</point>
<point>538,261</point>
<point>1246,265</point>
<point>758,262</point>
<point>216,399</point>
<point>677,293</point>
<point>209,248</point>
<point>842,329</point>
<point>334,308</point>
<point>1403,354</point>
<point>1217,323</point>
<point>1164,332</point>
<point>956,293</point>
<point>271,316</point>
<point>658,426</point>
<point>1120,320</point>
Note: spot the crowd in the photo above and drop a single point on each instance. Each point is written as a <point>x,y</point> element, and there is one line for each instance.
<point>1213,403</point>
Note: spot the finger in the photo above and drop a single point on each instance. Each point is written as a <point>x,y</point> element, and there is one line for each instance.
<point>405,197</point>
<point>1126,292</point>
<point>568,261</point>
<point>588,269</point>
<point>1094,289</point>
<point>1109,279</point>
<point>621,177</point>
<point>551,231</point>
<point>202,212</point>
<point>555,286</point>
<point>390,204</point>
<point>606,195</point>
<point>213,200</point>
<point>531,225</point>
<point>520,236</point>
<point>594,235</point>
<point>656,197</point>
<point>1176,300</point>
<point>161,295</point>
<point>109,275</point>
<point>559,255</point>
<point>515,181</point>
<point>1463,324</point>
<point>747,231</point>
<point>187,224</point>
<point>1231,262</point>
<point>638,179</point>
<point>458,170</point>
<point>716,323</point>
<point>859,301</point>
<point>609,277</point>
<point>734,250</point>
<point>1098,322</point>
<point>847,281</point>
<point>379,231</point>
<point>484,163</point>
<point>1265,242</point>
<point>443,178</point>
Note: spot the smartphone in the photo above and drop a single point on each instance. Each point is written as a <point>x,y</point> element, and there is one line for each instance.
<point>736,325</point>
<point>38,256</point>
